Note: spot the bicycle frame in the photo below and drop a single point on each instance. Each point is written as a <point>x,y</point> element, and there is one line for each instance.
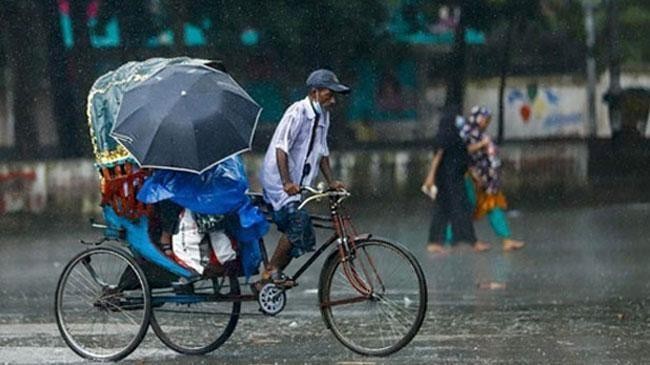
<point>344,236</point>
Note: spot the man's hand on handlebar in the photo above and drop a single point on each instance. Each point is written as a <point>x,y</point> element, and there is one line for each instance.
<point>323,190</point>
<point>291,188</point>
<point>337,185</point>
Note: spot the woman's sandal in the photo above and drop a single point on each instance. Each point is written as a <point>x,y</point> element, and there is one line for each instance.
<point>512,245</point>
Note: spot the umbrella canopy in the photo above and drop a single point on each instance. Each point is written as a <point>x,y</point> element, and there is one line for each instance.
<point>186,118</point>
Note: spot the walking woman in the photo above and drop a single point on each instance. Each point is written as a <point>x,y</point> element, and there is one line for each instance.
<point>448,167</point>
<point>485,179</point>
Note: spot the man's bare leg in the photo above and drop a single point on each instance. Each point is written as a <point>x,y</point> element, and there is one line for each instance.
<point>281,257</point>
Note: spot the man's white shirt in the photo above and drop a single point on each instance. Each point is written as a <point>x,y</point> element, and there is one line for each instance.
<point>293,135</point>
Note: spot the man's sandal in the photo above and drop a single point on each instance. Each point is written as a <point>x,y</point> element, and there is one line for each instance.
<point>280,279</point>
<point>277,278</point>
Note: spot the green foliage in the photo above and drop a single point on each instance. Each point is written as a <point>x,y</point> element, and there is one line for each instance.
<point>634,21</point>
<point>337,33</point>
<point>329,33</point>
<point>634,25</point>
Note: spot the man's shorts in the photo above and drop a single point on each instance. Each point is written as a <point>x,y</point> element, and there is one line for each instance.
<point>296,224</point>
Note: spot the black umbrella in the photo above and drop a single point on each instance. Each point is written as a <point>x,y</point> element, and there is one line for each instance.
<point>187,118</point>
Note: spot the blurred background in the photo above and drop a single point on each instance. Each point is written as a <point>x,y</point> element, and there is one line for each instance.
<point>568,82</point>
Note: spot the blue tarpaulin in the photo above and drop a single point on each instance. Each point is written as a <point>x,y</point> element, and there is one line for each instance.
<point>220,190</point>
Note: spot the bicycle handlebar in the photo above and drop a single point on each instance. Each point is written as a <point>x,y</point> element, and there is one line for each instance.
<point>322,192</point>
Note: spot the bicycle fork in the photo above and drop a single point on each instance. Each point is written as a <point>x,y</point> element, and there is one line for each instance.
<point>350,258</point>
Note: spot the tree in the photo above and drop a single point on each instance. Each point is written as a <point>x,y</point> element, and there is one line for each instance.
<point>179,9</point>
<point>302,34</point>
<point>614,55</point>
<point>634,20</point>
<point>517,13</point>
<point>488,16</point>
<point>475,14</point>
<point>22,62</point>
<point>65,112</point>
<point>135,20</point>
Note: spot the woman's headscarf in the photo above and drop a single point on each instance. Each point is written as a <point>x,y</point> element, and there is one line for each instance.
<point>480,110</point>
<point>471,131</point>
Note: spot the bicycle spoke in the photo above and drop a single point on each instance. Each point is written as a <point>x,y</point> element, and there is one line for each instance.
<point>84,284</point>
<point>129,317</point>
<point>89,279</point>
<point>83,287</point>
<point>381,334</point>
<point>393,305</point>
<point>86,299</point>
<point>394,317</point>
<point>392,328</point>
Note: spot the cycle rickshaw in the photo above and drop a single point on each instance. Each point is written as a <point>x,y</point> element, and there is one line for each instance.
<point>110,294</point>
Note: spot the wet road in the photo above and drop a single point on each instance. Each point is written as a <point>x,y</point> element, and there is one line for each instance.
<point>578,294</point>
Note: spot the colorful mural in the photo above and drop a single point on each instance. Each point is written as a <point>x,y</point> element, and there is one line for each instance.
<point>543,110</point>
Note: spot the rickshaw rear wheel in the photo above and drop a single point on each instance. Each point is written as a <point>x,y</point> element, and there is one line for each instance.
<point>198,318</point>
<point>102,315</point>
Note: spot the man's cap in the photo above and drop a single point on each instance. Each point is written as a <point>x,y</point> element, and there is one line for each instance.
<point>326,79</point>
